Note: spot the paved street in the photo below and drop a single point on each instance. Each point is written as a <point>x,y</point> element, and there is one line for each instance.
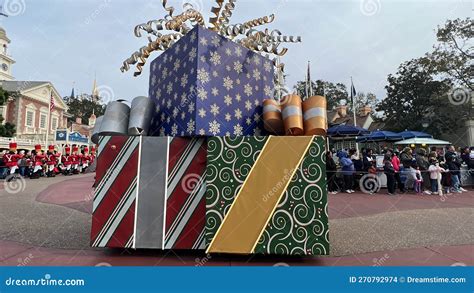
<point>47,222</point>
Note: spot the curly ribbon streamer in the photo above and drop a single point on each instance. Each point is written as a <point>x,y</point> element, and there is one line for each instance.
<point>169,9</point>
<point>296,117</point>
<point>140,57</point>
<point>216,10</point>
<point>259,21</point>
<point>227,12</point>
<point>265,42</point>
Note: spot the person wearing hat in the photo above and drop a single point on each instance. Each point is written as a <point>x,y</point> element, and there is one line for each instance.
<point>38,161</point>
<point>51,161</point>
<point>67,161</point>
<point>435,177</point>
<point>11,160</point>
<point>92,155</point>
<point>85,158</point>
<point>75,159</point>
<point>348,171</point>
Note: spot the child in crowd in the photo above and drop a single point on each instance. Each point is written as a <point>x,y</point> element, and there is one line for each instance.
<point>418,181</point>
<point>372,169</point>
<point>435,176</point>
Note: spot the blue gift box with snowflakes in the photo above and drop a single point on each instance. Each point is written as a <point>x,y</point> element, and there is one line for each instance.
<point>208,85</point>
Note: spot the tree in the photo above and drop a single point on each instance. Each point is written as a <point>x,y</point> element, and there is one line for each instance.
<point>7,130</point>
<point>83,106</point>
<point>334,92</point>
<point>453,54</point>
<point>368,99</point>
<point>415,97</point>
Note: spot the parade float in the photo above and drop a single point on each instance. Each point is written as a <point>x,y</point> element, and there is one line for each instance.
<point>218,158</point>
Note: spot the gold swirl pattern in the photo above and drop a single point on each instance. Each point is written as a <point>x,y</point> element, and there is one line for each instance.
<point>170,28</point>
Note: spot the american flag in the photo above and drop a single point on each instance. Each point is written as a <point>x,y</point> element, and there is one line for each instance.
<point>51,103</point>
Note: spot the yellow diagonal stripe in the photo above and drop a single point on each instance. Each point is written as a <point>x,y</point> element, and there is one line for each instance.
<point>260,194</point>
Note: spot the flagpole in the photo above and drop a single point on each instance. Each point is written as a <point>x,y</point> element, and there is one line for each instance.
<point>49,116</point>
<point>354,112</point>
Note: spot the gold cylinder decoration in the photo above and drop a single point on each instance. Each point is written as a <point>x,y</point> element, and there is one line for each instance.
<point>314,115</point>
<point>292,114</point>
<point>272,120</point>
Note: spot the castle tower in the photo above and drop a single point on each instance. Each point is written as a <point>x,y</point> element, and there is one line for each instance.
<point>6,61</point>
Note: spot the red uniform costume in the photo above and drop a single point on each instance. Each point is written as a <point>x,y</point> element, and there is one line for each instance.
<point>51,157</point>
<point>38,160</point>
<point>92,155</point>
<point>67,157</point>
<point>11,158</point>
<point>75,158</point>
<point>51,160</point>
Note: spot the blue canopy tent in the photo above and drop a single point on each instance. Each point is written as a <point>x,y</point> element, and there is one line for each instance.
<point>343,136</point>
<point>380,135</point>
<point>407,134</point>
<point>346,131</point>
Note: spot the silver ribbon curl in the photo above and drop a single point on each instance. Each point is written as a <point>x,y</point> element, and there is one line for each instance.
<point>216,10</point>
<point>172,27</point>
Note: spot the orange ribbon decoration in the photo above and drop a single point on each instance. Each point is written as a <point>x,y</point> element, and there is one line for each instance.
<point>295,117</point>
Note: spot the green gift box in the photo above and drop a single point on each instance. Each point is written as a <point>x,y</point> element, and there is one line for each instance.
<point>266,195</point>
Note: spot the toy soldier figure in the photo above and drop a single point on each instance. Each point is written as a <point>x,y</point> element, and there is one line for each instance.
<point>92,155</point>
<point>75,160</point>
<point>67,161</point>
<point>51,161</point>
<point>38,160</point>
<point>11,160</point>
<point>85,158</point>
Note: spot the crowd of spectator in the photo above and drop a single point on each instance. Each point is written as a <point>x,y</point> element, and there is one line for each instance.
<point>419,171</point>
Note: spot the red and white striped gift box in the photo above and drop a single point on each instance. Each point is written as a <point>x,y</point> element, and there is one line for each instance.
<point>149,193</point>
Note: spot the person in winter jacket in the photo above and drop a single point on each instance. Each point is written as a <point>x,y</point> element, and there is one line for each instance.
<point>348,171</point>
<point>406,157</point>
<point>331,169</point>
<point>396,167</point>
<point>389,171</point>
<point>423,164</point>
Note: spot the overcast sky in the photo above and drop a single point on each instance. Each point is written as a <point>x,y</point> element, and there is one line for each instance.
<point>66,41</point>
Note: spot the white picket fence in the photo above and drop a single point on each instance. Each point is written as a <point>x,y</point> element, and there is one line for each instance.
<point>22,142</point>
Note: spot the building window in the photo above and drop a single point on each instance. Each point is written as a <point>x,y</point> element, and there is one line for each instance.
<point>54,123</point>
<point>43,121</point>
<point>30,118</point>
